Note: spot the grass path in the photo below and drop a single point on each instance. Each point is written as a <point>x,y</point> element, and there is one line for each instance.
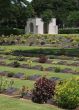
<point>9,103</point>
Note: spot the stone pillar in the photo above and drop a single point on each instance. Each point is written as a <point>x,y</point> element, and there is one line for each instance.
<point>39,24</point>
<point>53,28</point>
<point>27,27</point>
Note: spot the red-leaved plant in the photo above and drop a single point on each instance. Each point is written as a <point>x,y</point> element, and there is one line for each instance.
<point>43,90</point>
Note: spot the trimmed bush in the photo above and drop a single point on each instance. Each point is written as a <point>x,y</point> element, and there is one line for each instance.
<point>43,90</point>
<point>35,52</point>
<point>69,31</point>
<point>67,93</point>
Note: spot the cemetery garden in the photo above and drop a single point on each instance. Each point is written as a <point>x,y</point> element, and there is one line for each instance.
<point>39,54</point>
<point>39,72</point>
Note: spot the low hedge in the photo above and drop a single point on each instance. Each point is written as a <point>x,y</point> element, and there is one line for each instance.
<point>9,31</point>
<point>46,51</point>
<point>69,31</point>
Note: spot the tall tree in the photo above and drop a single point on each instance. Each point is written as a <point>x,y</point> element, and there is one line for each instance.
<point>60,8</point>
<point>4,9</point>
<point>47,15</point>
<point>39,7</point>
<point>73,19</point>
<point>13,13</point>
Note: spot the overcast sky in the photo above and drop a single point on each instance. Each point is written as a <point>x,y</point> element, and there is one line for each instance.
<point>29,0</point>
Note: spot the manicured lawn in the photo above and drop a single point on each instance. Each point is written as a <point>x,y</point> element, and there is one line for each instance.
<point>46,65</point>
<point>32,72</point>
<point>8,103</point>
<point>19,47</point>
<point>36,49</point>
<point>19,83</point>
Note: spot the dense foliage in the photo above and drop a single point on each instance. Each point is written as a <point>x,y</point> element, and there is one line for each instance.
<point>9,31</point>
<point>14,13</point>
<point>67,93</point>
<point>60,9</point>
<point>69,30</point>
<point>43,90</point>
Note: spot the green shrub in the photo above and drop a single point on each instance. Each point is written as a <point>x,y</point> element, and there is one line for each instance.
<point>57,69</point>
<point>4,83</point>
<point>29,62</point>
<point>69,31</point>
<point>9,31</point>
<point>67,93</point>
<point>46,51</point>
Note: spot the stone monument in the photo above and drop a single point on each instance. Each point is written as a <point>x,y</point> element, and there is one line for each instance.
<point>37,26</point>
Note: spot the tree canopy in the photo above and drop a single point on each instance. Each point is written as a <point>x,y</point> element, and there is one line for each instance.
<point>14,13</point>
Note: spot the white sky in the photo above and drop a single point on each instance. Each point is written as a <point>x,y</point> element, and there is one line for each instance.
<point>29,0</point>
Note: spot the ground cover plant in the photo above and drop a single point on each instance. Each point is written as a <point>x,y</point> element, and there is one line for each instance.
<point>47,40</point>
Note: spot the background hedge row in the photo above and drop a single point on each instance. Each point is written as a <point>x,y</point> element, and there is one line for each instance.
<point>16,31</point>
<point>9,31</point>
<point>50,51</point>
<point>69,31</point>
